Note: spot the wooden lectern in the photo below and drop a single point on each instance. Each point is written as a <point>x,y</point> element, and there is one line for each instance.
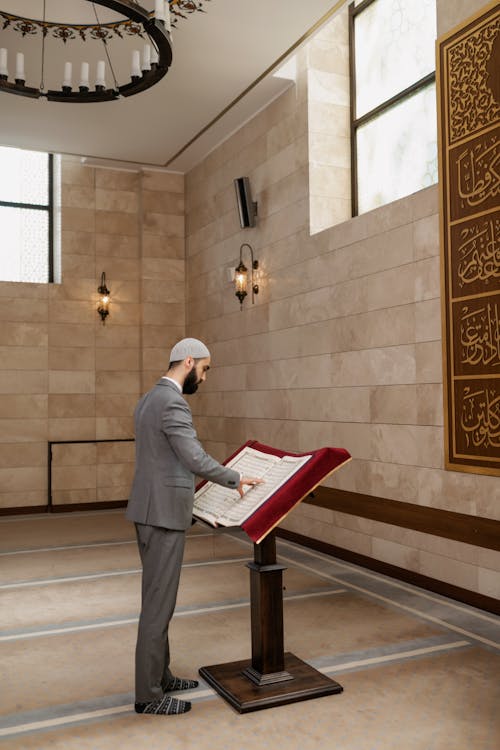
<point>273,677</point>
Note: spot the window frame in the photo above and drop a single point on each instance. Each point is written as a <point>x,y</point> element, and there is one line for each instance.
<point>49,207</point>
<point>356,122</point>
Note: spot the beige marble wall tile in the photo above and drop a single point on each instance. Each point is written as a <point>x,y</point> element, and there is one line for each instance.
<point>159,290</point>
<point>74,497</point>
<point>23,357</point>
<point>23,381</point>
<point>162,201</point>
<point>395,554</point>
<point>13,406</point>
<point>155,359</point>
<point>452,571</point>
<point>489,583</point>
<point>78,196</point>
<point>161,337</point>
<point>62,333</point>
<point>169,314</point>
<point>111,453</point>
<point>24,499</point>
<point>23,334</point>
<point>76,242</point>
<point>126,201</point>
<point>113,494</point>
<point>23,290</point>
<point>127,314</point>
<point>426,237</point>
<point>74,454</point>
<point>73,172</point>
<point>78,220</point>
<point>23,311</point>
<point>113,428</point>
<point>71,358</point>
<point>391,365</point>
<point>73,477</point>
<point>451,12</point>
<point>72,311</point>
<point>115,475</point>
<point>172,182</point>
<point>394,404</point>
<point>76,266</point>
<point>115,406</point>
<point>169,269</point>
<point>122,246</point>
<point>68,406</point>
<point>116,179</point>
<point>428,320</point>
<point>165,225</point>
<point>117,359</point>
<point>23,454</point>
<point>117,336</point>
<point>160,246</point>
<point>116,222</point>
<point>429,362</point>
<point>75,428</point>
<point>25,478</point>
<point>116,382</point>
<point>22,430</point>
<point>67,381</point>
<point>430,404</point>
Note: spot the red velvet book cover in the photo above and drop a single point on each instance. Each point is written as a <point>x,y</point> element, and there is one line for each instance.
<point>323,462</point>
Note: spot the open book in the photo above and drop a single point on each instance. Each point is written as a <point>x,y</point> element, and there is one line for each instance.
<point>220,506</point>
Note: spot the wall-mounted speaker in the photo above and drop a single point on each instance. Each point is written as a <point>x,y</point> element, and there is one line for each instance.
<point>247,208</point>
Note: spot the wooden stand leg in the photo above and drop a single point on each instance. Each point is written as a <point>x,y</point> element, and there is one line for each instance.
<point>272,677</point>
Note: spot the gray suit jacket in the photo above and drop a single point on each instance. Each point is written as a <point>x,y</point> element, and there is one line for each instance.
<point>168,456</point>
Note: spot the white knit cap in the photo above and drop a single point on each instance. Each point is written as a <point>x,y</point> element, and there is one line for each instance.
<point>189,348</point>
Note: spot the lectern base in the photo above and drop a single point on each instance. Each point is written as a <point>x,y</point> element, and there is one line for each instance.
<point>242,694</point>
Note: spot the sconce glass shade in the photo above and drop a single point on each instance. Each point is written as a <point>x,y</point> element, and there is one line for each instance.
<point>240,281</point>
<point>241,277</point>
<point>103,308</point>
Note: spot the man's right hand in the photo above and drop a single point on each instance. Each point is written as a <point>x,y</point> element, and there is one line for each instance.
<point>252,481</point>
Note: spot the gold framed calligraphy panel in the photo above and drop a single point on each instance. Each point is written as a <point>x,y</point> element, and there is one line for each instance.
<point>468,78</point>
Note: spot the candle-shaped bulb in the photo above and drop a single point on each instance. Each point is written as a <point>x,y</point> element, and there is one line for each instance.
<point>84,75</point>
<point>68,68</point>
<point>159,10</point>
<point>168,25</point>
<point>136,64</point>
<point>146,57</point>
<point>100,79</point>
<point>20,74</point>
<point>3,62</point>
<point>154,56</point>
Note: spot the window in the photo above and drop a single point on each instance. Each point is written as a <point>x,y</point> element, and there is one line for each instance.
<point>393,100</point>
<point>27,215</point>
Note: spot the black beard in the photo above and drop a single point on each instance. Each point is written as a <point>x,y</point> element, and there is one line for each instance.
<point>191,383</point>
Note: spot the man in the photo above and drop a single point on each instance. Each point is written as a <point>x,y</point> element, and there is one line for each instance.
<point>168,456</point>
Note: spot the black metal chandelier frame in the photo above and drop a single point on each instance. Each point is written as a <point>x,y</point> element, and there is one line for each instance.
<point>139,22</point>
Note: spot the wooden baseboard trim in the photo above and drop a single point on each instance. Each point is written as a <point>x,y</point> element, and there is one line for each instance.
<point>63,508</point>
<point>487,603</point>
<point>460,527</point>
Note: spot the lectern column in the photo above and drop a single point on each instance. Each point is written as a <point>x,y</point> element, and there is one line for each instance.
<point>266,596</point>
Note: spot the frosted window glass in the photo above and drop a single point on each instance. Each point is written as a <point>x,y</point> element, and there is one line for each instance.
<point>394,47</point>
<point>24,248</point>
<point>397,151</point>
<point>24,176</point>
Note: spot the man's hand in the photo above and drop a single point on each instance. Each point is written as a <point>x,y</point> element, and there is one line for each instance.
<point>252,481</point>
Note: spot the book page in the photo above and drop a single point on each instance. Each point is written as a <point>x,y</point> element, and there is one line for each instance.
<point>222,506</point>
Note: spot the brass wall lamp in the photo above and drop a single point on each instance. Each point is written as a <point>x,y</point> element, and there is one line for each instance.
<point>241,277</point>
<point>103,308</point>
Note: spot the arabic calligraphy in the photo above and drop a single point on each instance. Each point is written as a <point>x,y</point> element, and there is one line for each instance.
<point>479,253</point>
<point>473,104</point>
<point>480,418</point>
<point>479,173</point>
<point>480,335</point>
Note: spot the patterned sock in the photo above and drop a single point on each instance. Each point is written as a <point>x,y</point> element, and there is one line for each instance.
<point>177,683</point>
<point>165,705</point>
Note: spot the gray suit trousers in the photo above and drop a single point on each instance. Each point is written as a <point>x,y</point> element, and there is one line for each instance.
<point>161,552</point>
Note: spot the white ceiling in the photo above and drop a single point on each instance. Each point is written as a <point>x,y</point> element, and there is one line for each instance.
<point>217,55</point>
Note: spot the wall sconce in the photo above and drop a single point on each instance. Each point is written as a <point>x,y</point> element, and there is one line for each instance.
<point>241,277</point>
<point>103,290</point>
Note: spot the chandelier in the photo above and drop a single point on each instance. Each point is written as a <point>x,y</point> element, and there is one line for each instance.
<point>111,24</point>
